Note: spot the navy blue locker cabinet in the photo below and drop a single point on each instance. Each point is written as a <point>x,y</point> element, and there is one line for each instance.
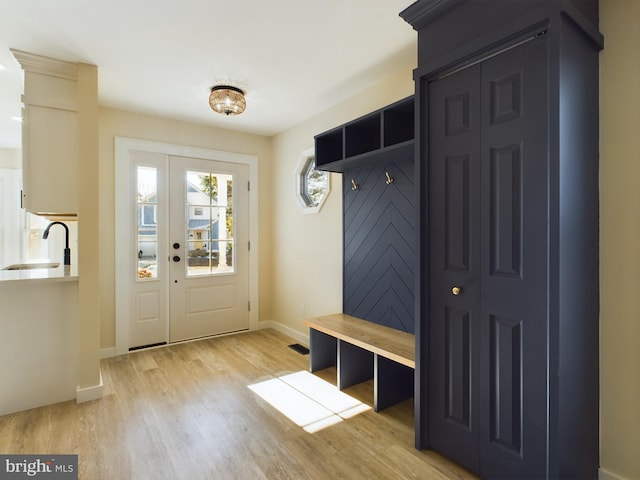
<point>507,235</point>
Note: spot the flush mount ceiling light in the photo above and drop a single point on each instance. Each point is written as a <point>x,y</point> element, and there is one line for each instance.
<point>227,100</point>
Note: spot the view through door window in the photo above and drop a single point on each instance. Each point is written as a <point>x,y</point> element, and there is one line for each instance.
<point>209,223</point>
<point>147,205</point>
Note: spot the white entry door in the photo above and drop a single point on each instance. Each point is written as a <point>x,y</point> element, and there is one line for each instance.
<point>188,277</point>
<point>209,247</point>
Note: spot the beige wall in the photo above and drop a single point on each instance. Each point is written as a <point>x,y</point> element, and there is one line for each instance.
<point>125,124</point>
<point>620,239</point>
<point>307,253</point>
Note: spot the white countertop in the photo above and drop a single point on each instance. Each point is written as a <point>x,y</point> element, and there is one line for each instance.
<point>40,275</point>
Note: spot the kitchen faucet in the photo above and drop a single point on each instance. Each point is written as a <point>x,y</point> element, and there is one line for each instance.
<point>67,250</point>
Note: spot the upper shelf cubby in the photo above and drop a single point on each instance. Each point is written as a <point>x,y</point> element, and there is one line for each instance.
<point>376,136</point>
<point>331,144</point>
<point>362,135</point>
<point>398,123</point>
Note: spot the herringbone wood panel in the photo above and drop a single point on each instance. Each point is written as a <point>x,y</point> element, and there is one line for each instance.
<point>379,245</point>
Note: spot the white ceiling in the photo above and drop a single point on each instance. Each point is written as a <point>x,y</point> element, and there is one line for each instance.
<point>294,58</point>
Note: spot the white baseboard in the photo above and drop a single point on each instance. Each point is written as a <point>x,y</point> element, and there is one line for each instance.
<point>107,352</point>
<point>296,335</point>
<point>605,475</point>
<point>87,394</point>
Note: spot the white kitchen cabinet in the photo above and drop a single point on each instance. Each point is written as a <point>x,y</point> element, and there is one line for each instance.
<point>49,135</point>
<point>39,340</point>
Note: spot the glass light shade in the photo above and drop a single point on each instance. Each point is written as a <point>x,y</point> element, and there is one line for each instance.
<point>227,100</point>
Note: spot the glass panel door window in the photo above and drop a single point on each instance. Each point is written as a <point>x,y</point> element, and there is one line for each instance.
<point>209,223</point>
<point>147,225</point>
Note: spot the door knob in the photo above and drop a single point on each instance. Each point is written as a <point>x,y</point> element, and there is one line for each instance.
<point>456,291</point>
<point>176,246</point>
<point>176,258</point>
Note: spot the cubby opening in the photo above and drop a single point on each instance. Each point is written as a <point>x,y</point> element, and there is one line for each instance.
<point>362,136</point>
<point>329,147</point>
<point>398,123</point>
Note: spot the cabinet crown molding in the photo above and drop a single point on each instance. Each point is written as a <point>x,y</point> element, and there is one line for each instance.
<point>33,63</point>
<point>423,12</point>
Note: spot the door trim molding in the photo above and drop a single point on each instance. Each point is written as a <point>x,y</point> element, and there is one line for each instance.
<point>123,147</point>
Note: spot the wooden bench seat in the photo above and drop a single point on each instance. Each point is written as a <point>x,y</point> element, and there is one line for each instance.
<point>362,350</point>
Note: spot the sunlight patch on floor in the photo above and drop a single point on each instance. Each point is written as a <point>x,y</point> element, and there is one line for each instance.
<point>308,401</point>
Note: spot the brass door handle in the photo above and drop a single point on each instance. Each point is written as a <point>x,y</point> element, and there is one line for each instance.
<point>456,291</point>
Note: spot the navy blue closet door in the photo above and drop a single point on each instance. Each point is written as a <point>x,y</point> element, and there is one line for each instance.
<point>454,262</point>
<point>379,244</point>
<point>488,168</point>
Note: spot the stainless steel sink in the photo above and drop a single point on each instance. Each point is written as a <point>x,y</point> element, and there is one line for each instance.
<point>32,266</point>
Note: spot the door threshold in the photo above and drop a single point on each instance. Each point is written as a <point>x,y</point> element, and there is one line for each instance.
<point>151,345</point>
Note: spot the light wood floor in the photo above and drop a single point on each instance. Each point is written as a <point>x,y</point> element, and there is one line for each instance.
<point>186,412</point>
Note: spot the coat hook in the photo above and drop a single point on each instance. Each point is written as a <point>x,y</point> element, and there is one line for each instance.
<point>389,179</point>
<point>354,185</point>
